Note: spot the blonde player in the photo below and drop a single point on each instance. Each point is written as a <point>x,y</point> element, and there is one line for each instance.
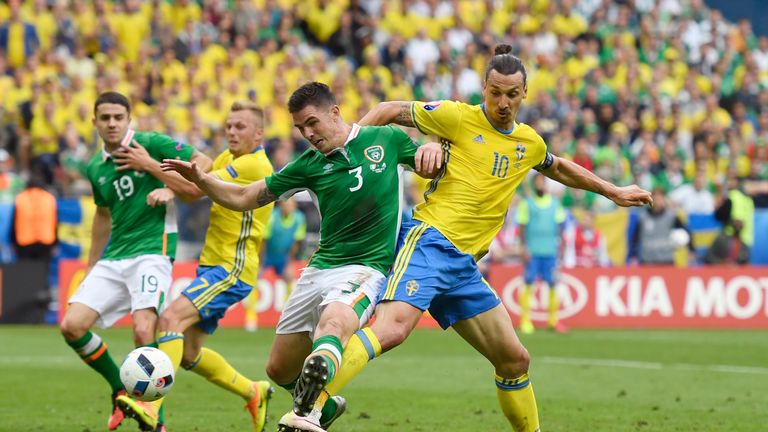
<point>226,274</point>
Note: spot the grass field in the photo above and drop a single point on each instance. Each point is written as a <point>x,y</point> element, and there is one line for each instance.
<point>584,381</point>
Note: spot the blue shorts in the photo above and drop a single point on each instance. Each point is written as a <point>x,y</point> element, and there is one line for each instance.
<point>278,264</point>
<point>213,292</point>
<point>542,267</point>
<point>431,274</point>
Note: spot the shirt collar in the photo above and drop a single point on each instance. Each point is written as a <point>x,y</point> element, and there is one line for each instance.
<point>504,131</point>
<point>343,149</point>
<point>127,139</point>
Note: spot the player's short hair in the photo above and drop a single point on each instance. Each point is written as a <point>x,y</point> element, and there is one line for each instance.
<point>256,110</point>
<point>504,62</point>
<point>112,98</point>
<point>312,93</point>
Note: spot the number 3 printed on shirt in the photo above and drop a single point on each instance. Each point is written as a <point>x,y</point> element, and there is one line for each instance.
<point>357,172</point>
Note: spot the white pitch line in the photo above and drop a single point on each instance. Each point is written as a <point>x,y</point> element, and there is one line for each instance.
<point>632,364</point>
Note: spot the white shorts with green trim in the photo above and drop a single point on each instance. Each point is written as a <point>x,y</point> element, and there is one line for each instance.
<point>115,287</point>
<point>355,285</point>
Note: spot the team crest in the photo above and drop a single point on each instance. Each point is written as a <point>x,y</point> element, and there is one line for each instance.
<point>375,153</point>
<point>411,286</point>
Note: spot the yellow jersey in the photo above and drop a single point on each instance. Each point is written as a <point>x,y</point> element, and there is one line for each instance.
<point>233,238</point>
<point>484,166</point>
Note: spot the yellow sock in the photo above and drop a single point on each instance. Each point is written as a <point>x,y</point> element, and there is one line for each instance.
<point>525,303</point>
<point>171,343</point>
<point>518,403</point>
<point>554,305</point>
<point>322,399</point>
<point>361,348</point>
<point>212,366</point>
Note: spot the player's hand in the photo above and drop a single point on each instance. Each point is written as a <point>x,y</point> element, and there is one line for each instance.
<point>188,170</point>
<point>631,196</point>
<point>160,196</point>
<point>134,157</point>
<point>428,160</point>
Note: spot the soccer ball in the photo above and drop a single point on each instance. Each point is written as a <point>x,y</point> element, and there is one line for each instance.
<point>147,374</point>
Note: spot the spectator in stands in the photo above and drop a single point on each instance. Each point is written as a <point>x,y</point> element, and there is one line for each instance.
<point>18,38</point>
<point>35,221</point>
<point>665,71</point>
<point>583,244</point>
<point>728,248</point>
<point>736,205</point>
<point>652,242</point>
<point>756,185</point>
<point>694,198</point>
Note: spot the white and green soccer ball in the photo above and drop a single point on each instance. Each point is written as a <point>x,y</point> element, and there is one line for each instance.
<point>147,374</point>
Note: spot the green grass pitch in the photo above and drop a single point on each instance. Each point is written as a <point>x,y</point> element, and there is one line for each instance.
<point>618,380</point>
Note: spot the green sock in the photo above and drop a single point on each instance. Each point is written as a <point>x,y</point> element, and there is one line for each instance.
<point>94,353</point>
<point>329,409</point>
<point>329,347</point>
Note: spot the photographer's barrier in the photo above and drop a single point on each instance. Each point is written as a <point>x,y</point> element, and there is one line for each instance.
<point>644,297</point>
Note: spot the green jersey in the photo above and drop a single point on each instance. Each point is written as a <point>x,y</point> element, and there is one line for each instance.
<point>137,229</point>
<point>358,191</point>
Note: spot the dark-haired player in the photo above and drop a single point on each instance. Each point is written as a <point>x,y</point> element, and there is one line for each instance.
<point>134,211</point>
<point>488,155</point>
<point>354,174</point>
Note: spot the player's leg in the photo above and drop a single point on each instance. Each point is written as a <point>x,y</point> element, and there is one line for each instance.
<point>492,334</point>
<point>144,325</point>
<point>529,278</point>
<point>549,275</point>
<point>75,327</point>
<point>101,299</point>
<point>213,366</point>
<point>293,340</point>
<point>346,306</point>
<point>211,295</point>
<point>173,322</point>
<point>251,304</point>
<point>287,275</point>
<point>148,278</point>
<point>418,271</point>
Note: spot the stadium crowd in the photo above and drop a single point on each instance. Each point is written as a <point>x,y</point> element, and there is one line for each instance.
<point>663,93</point>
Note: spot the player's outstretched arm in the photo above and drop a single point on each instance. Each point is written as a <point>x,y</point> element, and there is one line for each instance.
<point>574,175</point>
<point>384,113</point>
<point>136,157</point>
<point>229,195</point>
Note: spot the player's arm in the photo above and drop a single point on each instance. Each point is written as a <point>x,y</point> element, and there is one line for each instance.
<point>384,113</point>
<point>574,175</point>
<point>100,231</point>
<point>136,157</point>
<point>229,195</point>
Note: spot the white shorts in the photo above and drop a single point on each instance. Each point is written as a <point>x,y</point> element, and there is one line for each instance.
<point>115,287</point>
<point>355,285</point>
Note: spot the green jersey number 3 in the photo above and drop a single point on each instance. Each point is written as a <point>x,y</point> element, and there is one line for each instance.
<point>124,187</point>
<point>358,173</point>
